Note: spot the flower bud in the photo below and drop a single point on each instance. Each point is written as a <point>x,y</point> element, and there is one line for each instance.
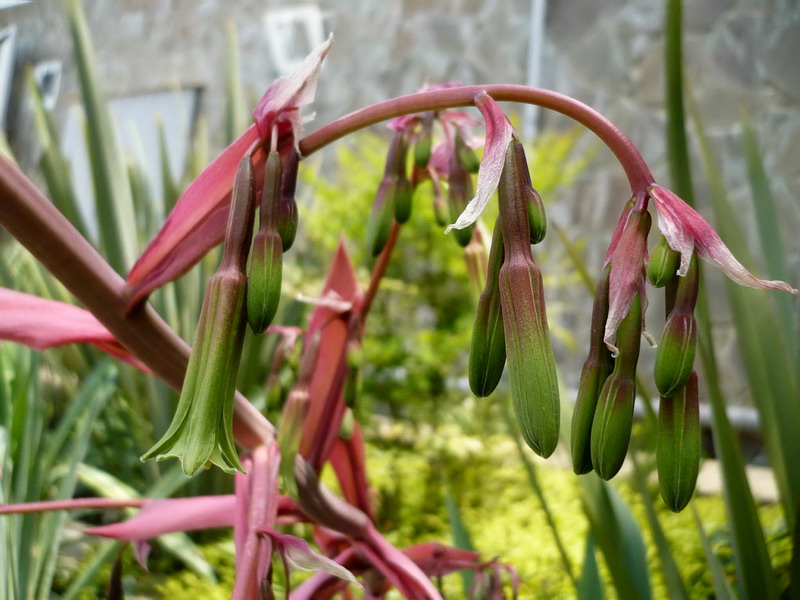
<point>596,369</point>
<point>404,199</point>
<point>537,219</point>
<point>487,351</point>
<point>531,364</point>
<point>266,263</point>
<point>201,430</point>
<point>440,208</point>
<point>390,189</point>
<point>422,145</point>
<point>678,445</point>
<point>467,157</point>
<point>613,419</point>
<point>460,192</point>
<point>663,263</point>
<point>287,207</point>
<point>380,221</point>
<point>676,350</point>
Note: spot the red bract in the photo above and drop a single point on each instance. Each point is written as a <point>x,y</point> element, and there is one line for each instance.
<point>197,223</point>
<point>40,324</point>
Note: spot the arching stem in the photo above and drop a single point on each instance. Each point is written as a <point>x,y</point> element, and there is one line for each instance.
<point>635,168</point>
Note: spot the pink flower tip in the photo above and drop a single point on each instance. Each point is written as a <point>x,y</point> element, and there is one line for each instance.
<point>686,231</point>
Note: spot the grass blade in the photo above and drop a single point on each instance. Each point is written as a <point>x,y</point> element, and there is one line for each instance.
<point>769,231</point>
<point>722,588</point>
<point>618,537</point>
<point>113,200</point>
<point>461,537</point>
<point>590,586</point>
<point>669,567</point>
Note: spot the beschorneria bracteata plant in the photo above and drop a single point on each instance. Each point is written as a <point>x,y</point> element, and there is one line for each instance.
<point>511,325</point>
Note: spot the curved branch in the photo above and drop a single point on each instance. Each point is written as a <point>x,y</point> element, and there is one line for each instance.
<point>636,169</point>
<point>38,225</point>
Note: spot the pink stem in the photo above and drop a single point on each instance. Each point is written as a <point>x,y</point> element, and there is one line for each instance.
<point>75,503</point>
<point>636,169</point>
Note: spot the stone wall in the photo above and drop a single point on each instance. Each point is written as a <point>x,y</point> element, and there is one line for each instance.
<point>740,56</point>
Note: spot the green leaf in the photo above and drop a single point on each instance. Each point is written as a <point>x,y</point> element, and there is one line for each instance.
<point>618,537</point>
<point>461,537</point>
<point>669,567</point>
<point>722,589</point>
<point>54,165</point>
<point>590,587</point>
<point>766,361</point>
<point>769,232</point>
<point>113,200</point>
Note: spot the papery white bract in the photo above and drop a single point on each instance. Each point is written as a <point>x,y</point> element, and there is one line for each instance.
<point>687,231</point>
<point>498,136</point>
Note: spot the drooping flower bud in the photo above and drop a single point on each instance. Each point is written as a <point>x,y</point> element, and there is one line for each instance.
<point>678,446</point>
<point>440,209</point>
<point>423,143</point>
<point>287,207</point>
<point>676,350</point>
<point>537,219</point>
<point>266,263</point>
<point>531,364</point>
<point>663,263</point>
<point>380,221</point>
<point>487,352</point>
<point>477,261</point>
<point>468,158</point>
<point>596,369</point>
<point>460,192</point>
<point>613,419</point>
<point>201,430</point>
<point>404,195</point>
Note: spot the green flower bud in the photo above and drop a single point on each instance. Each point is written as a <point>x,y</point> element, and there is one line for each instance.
<point>266,264</point>
<point>678,345</point>
<point>678,446</point>
<point>404,199</point>
<point>201,430</point>
<point>613,419</point>
<point>537,219</point>
<point>663,263</point>
<point>487,352</point>
<point>531,364</point>
<point>390,190</point>
<point>467,157</point>
<point>596,369</point>
<point>460,192</point>
<point>440,208</point>
<point>266,272</point>
<point>287,207</point>
<point>422,145</point>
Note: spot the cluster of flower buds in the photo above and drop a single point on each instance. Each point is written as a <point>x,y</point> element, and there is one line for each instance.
<point>602,419</point>
<point>511,320</point>
<point>200,433</point>
<point>393,200</point>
